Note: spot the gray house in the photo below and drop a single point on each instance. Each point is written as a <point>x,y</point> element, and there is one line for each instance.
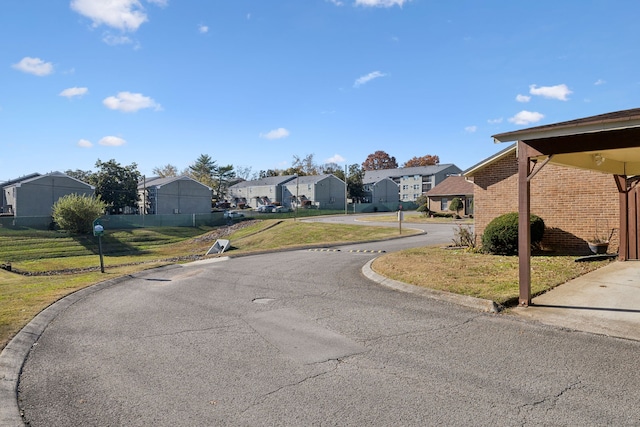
<point>35,196</point>
<point>261,192</point>
<point>384,190</point>
<point>414,181</point>
<point>319,191</point>
<point>173,195</point>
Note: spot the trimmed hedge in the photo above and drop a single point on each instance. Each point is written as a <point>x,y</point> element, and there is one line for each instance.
<point>501,235</point>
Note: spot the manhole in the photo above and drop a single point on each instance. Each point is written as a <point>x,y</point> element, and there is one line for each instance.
<point>263,300</point>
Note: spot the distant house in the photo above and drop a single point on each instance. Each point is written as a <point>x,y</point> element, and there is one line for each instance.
<point>173,195</point>
<point>414,181</point>
<point>261,192</point>
<point>320,191</point>
<point>384,190</point>
<point>3,202</point>
<point>575,204</point>
<point>455,186</point>
<point>36,195</point>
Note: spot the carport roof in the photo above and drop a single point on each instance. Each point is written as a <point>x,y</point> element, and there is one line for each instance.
<point>609,142</point>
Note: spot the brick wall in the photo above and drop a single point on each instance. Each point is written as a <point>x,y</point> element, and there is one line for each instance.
<point>575,204</point>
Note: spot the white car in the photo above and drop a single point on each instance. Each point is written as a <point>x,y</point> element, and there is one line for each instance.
<point>233,215</point>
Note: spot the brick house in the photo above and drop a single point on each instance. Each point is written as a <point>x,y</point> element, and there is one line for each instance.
<point>575,204</point>
<point>454,186</point>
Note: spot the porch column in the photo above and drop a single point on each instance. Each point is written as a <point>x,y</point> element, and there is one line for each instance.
<point>623,232</point>
<point>524,229</point>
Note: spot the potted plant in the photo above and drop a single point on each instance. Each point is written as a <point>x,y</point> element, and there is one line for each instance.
<point>599,243</point>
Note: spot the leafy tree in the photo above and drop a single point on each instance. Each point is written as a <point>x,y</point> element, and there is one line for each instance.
<point>334,169</point>
<point>116,185</point>
<point>222,175</point>
<point>165,171</point>
<point>84,176</point>
<point>203,170</point>
<point>355,184</point>
<point>456,204</point>
<point>427,160</point>
<point>379,160</point>
<point>76,213</point>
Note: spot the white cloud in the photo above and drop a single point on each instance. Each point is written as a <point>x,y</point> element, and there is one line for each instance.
<point>523,98</point>
<point>113,40</point>
<point>526,117</point>
<point>128,102</point>
<point>203,29</point>
<point>125,15</point>
<point>495,121</point>
<point>74,91</point>
<point>336,2</point>
<point>367,78</point>
<point>336,158</point>
<point>471,129</point>
<point>112,141</point>
<point>599,82</point>
<point>275,134</point>
<point>85,143</point>
<point>555,92</point>
<point>35,66</point>
<point>381,3</point>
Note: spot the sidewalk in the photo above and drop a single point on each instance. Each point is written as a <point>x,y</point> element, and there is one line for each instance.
<point>605,301</point>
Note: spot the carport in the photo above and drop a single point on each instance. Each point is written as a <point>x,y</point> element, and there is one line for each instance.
<point>608,143</point>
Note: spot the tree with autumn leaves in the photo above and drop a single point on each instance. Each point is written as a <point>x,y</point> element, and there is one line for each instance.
<point>382,160</point>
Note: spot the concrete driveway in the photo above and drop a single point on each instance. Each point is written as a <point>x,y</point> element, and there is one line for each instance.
<point>605,301</point>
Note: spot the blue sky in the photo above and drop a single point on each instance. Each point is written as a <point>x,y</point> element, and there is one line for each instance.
<point>254,82</point>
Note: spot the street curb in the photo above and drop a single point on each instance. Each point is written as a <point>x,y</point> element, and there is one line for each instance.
<point>15,353</point>
<point>464,300</point>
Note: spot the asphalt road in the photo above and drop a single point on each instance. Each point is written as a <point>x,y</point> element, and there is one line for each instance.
<point>303,338</point>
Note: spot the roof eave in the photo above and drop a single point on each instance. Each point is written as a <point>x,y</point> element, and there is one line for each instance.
<point>567,129</point>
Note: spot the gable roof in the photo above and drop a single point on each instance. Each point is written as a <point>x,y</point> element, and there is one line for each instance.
<point>22,178</point>
<point>159,181</point>
<point>264,182</point>
<point>38,177</point>
<point>371,176</point>
<point>510,150</point>
<point>311,179</point>
<point>454,185</point>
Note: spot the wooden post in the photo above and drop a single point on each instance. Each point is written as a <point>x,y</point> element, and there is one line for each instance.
<point>524,228</point>
<point>623,232</point>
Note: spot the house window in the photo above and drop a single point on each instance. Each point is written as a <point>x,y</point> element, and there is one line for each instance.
<point>444,204</point>
<point>405,187</point>
<point>332,200</point>
<point>416,177</point>
<point>416,186</point>
<point>405,197</point>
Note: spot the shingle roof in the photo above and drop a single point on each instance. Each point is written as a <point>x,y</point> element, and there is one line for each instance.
<point>158,181</point>
<point>376,175</point>
<point>454,185</point>
<point>270,180</point>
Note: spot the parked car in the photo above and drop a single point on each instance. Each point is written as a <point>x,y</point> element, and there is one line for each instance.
<point>280,209</point>
<point>233,215</point>
<point>266,208</point>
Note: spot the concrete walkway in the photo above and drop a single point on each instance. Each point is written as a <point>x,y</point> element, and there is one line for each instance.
<point>605,301</point>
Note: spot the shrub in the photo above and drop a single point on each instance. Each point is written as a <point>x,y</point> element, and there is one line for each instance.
<point>76,213</point>
<point>456,204</point>
<point>501,235</point>
<point>464,237</point>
